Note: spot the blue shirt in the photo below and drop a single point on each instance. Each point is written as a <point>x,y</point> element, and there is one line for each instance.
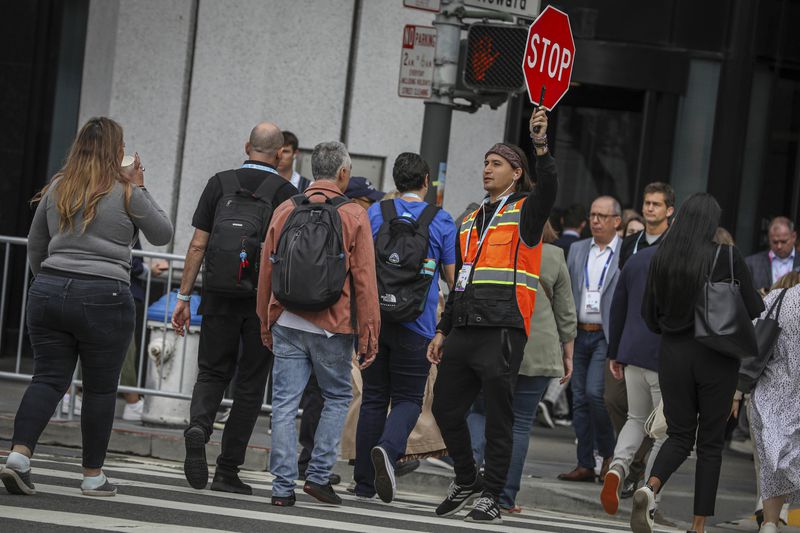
<point>441,247</point>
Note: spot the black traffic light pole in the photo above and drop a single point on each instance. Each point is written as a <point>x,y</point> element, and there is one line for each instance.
<point>439,109</point>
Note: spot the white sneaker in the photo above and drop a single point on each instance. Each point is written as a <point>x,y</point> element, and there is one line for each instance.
<point>133,411</point>
<point>644,509</point>
<point>76,409</point>
<point>768,527</point>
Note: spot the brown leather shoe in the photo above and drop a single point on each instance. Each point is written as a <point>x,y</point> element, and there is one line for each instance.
<point>604,469</point>
<point>579,474</point>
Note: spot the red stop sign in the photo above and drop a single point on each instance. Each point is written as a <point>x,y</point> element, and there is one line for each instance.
<point>549,56</point>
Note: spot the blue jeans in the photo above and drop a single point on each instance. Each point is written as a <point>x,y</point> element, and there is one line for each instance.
<point>70,319</point>
<point>296,353</point>
<point>527,395</point>
<point>589,415</point>
<point>399,374</point>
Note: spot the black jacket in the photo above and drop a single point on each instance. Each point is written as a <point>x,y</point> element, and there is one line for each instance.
<point>490,305</point>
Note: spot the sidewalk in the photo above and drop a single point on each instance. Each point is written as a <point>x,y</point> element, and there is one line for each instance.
<point>552,451</point>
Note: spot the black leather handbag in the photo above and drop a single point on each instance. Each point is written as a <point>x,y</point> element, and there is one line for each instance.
<point>721,321</point>
<point>767,332</point>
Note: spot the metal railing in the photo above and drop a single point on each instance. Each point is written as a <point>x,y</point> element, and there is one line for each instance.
<point>9,245</point>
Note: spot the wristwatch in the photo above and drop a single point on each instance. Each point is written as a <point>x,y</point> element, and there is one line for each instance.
<point>184,297</point>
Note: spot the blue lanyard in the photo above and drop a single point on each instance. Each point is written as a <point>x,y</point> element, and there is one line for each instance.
<point>602,276</point>
<point>485,228</point>
<point>256,166</point>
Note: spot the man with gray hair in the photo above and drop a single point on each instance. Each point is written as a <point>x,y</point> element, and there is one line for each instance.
<point>321,341</point>
<point>228,305</point>
<point>771,265</point>
<point>593,268</point>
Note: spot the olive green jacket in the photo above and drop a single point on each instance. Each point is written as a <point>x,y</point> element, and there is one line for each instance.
<point>554,320</point>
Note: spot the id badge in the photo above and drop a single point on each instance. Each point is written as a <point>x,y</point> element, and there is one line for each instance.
<point>592,302</point>
<point>463,277</point>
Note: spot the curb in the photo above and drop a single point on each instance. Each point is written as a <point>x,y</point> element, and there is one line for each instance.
<point>131,442</point>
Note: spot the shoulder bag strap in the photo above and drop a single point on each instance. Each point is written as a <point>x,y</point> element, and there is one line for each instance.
<point>730,261</point>
<point>427,216</point>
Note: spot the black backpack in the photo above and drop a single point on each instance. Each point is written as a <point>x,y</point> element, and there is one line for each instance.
<point>240,224</point>
<point>309,266</point>
<point>404,271</point>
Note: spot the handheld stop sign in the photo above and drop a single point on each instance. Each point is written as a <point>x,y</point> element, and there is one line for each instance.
<point>549,58</point>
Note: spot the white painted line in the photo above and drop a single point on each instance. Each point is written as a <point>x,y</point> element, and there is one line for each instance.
<point>88,521</point>
<point>279,518</point>
<point>368,512</point>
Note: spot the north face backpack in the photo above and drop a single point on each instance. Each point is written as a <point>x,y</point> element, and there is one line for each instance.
<point>404,271</point>
<point>308,266</point>
<point>240,223</point>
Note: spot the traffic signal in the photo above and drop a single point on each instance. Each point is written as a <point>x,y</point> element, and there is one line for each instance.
<point>493,57</point>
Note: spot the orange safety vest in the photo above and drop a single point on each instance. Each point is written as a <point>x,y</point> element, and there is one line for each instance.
<point>504,260</point>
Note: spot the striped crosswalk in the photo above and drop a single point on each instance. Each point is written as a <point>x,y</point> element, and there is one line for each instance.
<point>154,497</point>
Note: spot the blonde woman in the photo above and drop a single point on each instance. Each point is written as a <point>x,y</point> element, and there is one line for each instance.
<point>79,304</point>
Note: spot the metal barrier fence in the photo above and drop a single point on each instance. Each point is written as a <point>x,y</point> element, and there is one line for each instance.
<point>9,245</point>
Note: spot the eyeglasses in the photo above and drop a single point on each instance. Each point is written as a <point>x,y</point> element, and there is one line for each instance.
<point>601,216</point>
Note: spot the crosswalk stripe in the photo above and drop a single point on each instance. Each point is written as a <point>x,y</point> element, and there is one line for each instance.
<point>330,525</point>
<point>428,518</point>
<point>373,509</point>
<point>88,521</point>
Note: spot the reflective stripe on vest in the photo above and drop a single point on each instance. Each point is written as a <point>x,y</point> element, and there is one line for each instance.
<point>496,264</point>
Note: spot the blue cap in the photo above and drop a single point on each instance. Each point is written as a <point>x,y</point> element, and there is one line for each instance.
<point>360,187</point>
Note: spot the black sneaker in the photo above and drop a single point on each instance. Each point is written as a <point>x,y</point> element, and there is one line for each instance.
<point>230,482</point>
<point>385,484</point>
<point>457,496</point>
<point>195,466</point>
<point>284,501</point>
<point>405,467</point>
<point>104,490</point>
<point>628,488</point>
<point>486,511</point>
<point>323,493</point>
<point>17,482</point>
<point>335,479</point>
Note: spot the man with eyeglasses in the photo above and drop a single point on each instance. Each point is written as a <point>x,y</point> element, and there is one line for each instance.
<point>593,268</point>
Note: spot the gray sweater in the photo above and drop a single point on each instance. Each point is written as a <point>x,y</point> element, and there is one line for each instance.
<point>104,249</point>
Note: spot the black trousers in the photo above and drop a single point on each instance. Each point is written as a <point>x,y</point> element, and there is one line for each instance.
<point>73,320</point>
<point>697,386</point>
<point>218,361</point>
<point>311,403</point>
<point>475,359</point>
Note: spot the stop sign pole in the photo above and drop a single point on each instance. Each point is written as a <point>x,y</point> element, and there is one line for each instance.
<point>549,57</point>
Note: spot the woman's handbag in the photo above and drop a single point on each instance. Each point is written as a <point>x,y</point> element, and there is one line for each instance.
<point>767,332</point>
<point>721,321</point>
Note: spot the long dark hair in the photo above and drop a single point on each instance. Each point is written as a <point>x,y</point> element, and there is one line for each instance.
<point>683,259</point>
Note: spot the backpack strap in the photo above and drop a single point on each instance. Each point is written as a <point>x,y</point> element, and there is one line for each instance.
<point>427,216</point>
<point>229,181</point>
<point>268,188</point>
<point>388,210</point>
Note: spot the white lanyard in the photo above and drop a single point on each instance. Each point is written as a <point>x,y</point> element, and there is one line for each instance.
<point>412,195</point>
<point>256,166</point>
<point>636,248</point>
<point>485,228</point>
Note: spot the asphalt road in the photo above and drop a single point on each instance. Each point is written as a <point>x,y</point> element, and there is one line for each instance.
<point>154,497</point>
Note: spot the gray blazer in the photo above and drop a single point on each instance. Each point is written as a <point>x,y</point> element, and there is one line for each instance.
<point>576,262</point>
<point>761,268</point>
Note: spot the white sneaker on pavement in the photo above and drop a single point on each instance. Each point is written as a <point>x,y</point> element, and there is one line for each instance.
<point>768,527</point>
<point>644,508</point>
<point>133,411</point>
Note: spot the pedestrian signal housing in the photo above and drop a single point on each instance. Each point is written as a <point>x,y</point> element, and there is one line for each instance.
<point>493,55</point>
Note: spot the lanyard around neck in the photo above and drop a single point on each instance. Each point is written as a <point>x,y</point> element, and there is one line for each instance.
<point>602,275</point>
<point>256,166</point>
<point>485,227</point>
<point>411,195</point>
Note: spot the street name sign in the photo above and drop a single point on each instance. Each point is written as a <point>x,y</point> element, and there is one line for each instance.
<point>523,8</point>
<point>416,61</point>
<point>549,57</point>
<point>425,5</point>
